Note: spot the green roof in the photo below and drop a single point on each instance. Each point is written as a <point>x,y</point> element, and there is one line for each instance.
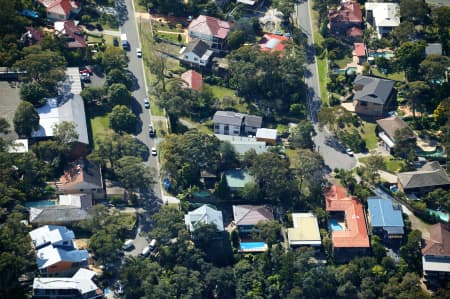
<point>237,178</point>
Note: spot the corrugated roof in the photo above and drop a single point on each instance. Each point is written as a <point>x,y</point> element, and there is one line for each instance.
<point>193,79</point>
<point>49,255</point>
<point>228,117</point>
<point>384,213</point>
<point>204,214</point>
<point>243,144</point>
<point>253,121</point>
<point>57,214</point>
<point>81,281</point>
<point>360,49</point>
<point>251,215</point>
<point>51,234</point>
<point>265,133</point>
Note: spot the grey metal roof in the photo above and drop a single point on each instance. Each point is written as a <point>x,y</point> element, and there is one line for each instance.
<point>372,90</point>
<point>57,214</point>
<point>228,117</point>
<point>197,47</point>
<point>253,121</point>
<point>431,174</point>
<point>433,48</point>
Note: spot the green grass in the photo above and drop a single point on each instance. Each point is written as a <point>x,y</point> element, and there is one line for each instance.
<point>392,165</point>
<point>172,37</point>
<point>100,127</point>
<point>369,135</point>
<point>139,7</point>
<point>220,92</point>
<point>292,154</point>
<point>342,63</point>
<point>394,76</point>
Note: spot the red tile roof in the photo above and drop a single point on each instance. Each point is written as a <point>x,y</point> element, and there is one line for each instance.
<point>354,235</point>
<point>210,26</point>
<point>360,49</point>
<point>193,80</point>
<point>348,12</point>
<point>272,42</point>
<point>439,242</point>
<point>354,32</point>
<point>61,7</point>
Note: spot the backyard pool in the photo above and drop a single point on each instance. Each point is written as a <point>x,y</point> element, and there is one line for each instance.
<point>440,214</point>
<point>387,55</point>
<point>40,203</point>
<point>334,225</point>
<point>253,246</point>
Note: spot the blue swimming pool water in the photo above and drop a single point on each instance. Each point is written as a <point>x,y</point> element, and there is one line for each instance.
<point>40,203</point>
<point>440,214</point>
<point>253,246</point>
<point>334,225</point>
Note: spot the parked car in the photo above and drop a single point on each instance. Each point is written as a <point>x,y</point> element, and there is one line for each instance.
<point>153,151</point>
<point>146,251</point>
<point>120,288</point>
<point>85,78</point>
<point>115,42</point>
<point>128,245</point>
<point>151,131</point>
<point>152,244</point>
<point>86,70</point>
<point>139,52</point>
<point>349,152</point>
<point>146,103</point>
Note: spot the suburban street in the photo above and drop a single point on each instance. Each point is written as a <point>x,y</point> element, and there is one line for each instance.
<point>332,155</point>
<point>152,195</point>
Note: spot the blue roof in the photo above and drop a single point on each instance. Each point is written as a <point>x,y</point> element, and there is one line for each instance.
<point>384,213</point>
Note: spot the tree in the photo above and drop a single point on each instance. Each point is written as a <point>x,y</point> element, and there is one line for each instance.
<point>269,231</point>
<point>65,133</point>
<point>132,173</point>
<point>442,112</point>
<point>302,135</point>
<point>309,168</point>
<point>411,253</point>
<point>114,58</point>
<point>158,64</point>
<point>236,39</point>
<point>250,192</point>
<point>26,119</point>
<point>416,93</point>
<point>403,32</point>
<point>118,94</point>
<point>374,163</point>
<point>203,234</point>
<point>441,18</point>
<point>118,76</point>
<point>285,6</point>
<point>122,119</point>
<point>34,93</point>
<point>168,222</point>
<point>434,68</point>
<point>220,283</point>
<point>409,55</point>
<point>93,95</point>
<point>43,67</point>
<point>416,11</point>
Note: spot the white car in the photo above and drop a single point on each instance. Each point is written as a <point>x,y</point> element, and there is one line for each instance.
<point>349,152</point>
<point>139,52</point>
<point>146,103</point>
<point>154,151</point>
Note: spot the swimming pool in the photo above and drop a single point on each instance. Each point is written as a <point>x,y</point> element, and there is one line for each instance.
<point>40,203</point>
<point>253,246</point>
<point>334,225</point>
<point>440,214</point>
<point>386,55</point>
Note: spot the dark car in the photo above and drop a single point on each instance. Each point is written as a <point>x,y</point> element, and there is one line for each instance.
<point>98,27</point>
<point>151,131</point>
<point>115,42</point>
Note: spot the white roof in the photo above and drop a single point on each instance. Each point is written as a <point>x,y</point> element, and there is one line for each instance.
<point>386,139</point>
<point>305,230</point>
<point>248,2</point>
<point>51,234</point>
<point>385,14</point>
<point>18,146</point>
<point>206,215</point>
<point>243,144</point>
<point>170,200</point>
<point>81,281</point>
<point>435,265</point>
<point>266,133</point>
<point>82,201</point>
<point>68,106</point>
<point>49,255</point>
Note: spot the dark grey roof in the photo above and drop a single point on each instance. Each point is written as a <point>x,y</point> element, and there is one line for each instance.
<point>434,48</point>
<point>228,117</point>
<point>57,214</point>
<point>253,121</point>
<point>198,47</point>
<point>372,90</point>
<point>430,175</point>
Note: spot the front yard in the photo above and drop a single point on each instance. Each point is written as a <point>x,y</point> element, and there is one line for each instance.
<point>393,165</point>
<point>99,127</point>
<point>369,136</point>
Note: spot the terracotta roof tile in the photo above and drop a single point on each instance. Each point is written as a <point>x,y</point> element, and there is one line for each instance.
<point>439,242</point>
<point>193,80</point>
<point>210,26</point>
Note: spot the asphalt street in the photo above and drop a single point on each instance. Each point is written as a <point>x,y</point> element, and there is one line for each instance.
<point>333,155</point>
<point>152,194</point>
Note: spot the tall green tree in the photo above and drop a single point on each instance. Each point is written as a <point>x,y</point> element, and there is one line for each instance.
<point>132,173</point>
<point>434,68</point>
<point>26,119</point>
<point>118,94</point>
<point>114,58</point>
<point>122,119</point>
<point>302,135</point>
<point>408,57</point>
<point>34,93</point>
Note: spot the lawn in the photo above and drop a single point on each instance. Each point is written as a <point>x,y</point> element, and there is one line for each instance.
<point>236,102</point>
<point>292,154</point>
<point>171,37</point>
<point>100,127</point>
<point>368,135</point>
<point>394,76</point>
<point>392,165</point>
<point>139,7</point>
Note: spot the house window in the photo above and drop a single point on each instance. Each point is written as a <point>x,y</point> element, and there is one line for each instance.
<point>363,104</point>
<point>195,59</point>
<point>216,127</point>
<point>186,57</point>
<point>236,132</point>
<point>202,61</point>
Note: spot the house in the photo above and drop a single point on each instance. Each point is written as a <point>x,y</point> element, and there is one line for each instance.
<point>67,106</point>
<point>82,177</point>
<point>72,32</point>
<point>354,34</point>
<point>382,16</point>
<point>192,80</point>
<point>196,53</point>
<point>237,179</point>
<point>359,53</point>
<point>373,96</point>
<point>433,48</point>
<point>60,9</point>
<point>348,16</point>
<point>425,179</point>
<point>243,144</point>
<point>203,215</point>
<point>272,42</point>
<point>80,285</point>
<point>385,218</point>
<point>81,201</point>
<point>57,236</point>
<point>248,2</point>
<point>55,261</point>
<point>234,123</point>
<point>305,231</point>
<point>347,224</point>
<point>57,215</point>
<point>436,256</point>
<point>388,128</point>
<point>246,217</point>
<point>211,30</point>
<point>269,136</point>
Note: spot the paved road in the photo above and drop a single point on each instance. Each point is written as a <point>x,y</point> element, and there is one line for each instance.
<point>332,155</point>
<point>152,194</point>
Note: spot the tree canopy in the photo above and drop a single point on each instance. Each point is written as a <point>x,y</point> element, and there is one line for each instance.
<point>26,119</point>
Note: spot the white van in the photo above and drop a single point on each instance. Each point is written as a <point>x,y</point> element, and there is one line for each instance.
<point>128,245</point>
<point>152,244</point>
<point>146,251</point>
